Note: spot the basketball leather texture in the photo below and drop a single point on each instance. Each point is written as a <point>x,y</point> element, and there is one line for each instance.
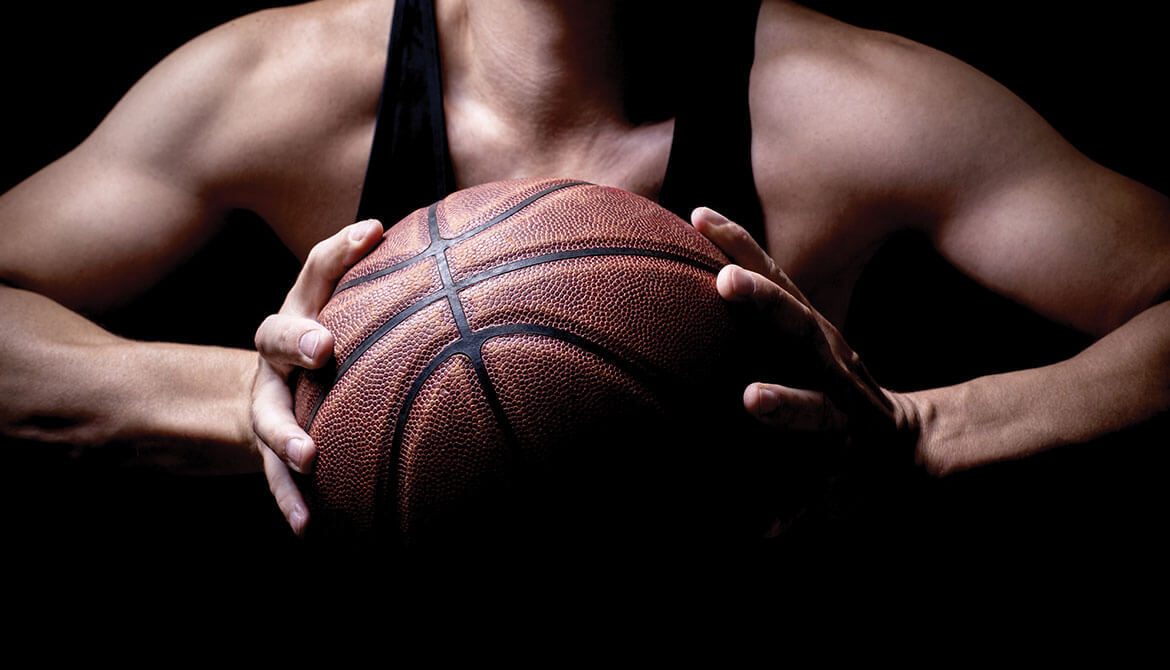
<point>507,329</point>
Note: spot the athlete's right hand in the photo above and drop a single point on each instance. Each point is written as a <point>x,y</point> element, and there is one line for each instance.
<point>293,338</point>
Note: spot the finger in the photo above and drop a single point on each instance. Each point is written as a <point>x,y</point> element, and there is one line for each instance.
<point>274,423</point>
<point>793,409</point>
<point>741,247</point>
<point>294,340</point>
<point>327,262</point>
<point>793,317</point>
<point>284,490</point>
<point>784,309</point>
<point>732,238</point>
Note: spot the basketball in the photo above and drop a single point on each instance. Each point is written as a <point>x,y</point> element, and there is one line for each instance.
<point>546,342</point>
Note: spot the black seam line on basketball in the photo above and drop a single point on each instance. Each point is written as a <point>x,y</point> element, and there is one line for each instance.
<point>472,348</point>
<point>370,340</point>
<point>439,244</point>
<point>438,249</point>
<point>468,347</point>
<point>643,375</point>
<point>433,238</point>
<point>388,463</point>
<point>508,213</point>
<point>582,253</point>
<point>398,318</point>
<point>445,276</point>
<point>493,401</point>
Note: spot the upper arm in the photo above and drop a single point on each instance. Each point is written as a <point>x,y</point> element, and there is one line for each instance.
<point>890,134</point>
<point>146,188</point>
<point>1067,237</point>
<point>93,228</point>
<point>109,217</point>
<point>1029,216</point>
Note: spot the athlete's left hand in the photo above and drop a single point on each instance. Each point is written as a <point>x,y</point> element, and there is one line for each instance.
<point>846,402</point>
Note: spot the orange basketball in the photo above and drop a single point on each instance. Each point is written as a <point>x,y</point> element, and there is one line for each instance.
<point>516,340</point>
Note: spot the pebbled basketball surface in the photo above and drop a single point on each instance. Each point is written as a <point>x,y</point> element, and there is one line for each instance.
<point>545,350</point>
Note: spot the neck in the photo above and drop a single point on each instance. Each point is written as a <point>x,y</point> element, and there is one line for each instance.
<point>537,88</point>
<point>552,63</point>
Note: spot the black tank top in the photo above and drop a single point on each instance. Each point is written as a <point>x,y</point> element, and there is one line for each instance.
<point>710,156</point>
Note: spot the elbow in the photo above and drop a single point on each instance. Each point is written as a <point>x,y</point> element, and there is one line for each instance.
<point>74,433</point>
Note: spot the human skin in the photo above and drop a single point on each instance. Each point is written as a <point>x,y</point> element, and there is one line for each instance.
<point>934,145</point>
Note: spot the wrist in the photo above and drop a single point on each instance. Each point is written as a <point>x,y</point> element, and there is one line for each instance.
<point>912,415</point>
<point>982,421</point>
<point>188,407</point>
<point>918,418</point>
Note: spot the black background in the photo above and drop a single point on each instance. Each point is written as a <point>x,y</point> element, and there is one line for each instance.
<point>1097,74</point>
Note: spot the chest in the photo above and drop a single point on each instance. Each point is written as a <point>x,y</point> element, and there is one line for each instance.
<point>823,247</point>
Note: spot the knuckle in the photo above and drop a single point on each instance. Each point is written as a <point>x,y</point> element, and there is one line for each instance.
<point>290,340</point>
<point>739,234</point>
<point>265,428</point>
<point>276,485</point>
<point>264,440</point>
<point>773,268</point>
<point>315,253</point>
<point>268,326</point>
<point>318,258</point>
<point>284,497</point>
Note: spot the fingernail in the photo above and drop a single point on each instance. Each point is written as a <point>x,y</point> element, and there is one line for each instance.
<point>294,452</point>
<point>715,218</point>
<point>309,342</point>
<point>742,282</point>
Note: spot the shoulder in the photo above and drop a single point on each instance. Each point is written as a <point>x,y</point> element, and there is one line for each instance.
<point>326,43</point>
<point>250,84</point>
<point>871,115</point>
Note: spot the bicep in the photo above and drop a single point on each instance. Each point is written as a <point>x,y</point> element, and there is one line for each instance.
<point>112,216</point>
<point>875,133</point>
<point>96,227</point>
<point>1015,206</point>
<point>1068,238</point>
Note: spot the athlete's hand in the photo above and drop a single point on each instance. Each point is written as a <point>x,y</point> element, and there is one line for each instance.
<point>292,338</point>
<point>846,401</point>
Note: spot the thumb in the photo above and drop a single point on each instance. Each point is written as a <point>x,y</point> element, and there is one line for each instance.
<point>793,409</point>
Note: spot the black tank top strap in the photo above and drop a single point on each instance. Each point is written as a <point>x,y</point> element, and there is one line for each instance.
<point>410,165</point>
<point>711,155</point>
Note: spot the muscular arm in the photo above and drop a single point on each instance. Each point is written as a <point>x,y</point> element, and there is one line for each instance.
<point>67,381</point>
<point>877,133</point>
<point>1083,246</point>
<point>100,225</point>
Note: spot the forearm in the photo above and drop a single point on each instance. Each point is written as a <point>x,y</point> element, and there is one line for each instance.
<point>67,381</point>
<point>1120,381</point>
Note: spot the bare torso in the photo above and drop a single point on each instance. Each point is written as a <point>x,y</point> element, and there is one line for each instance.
<point>856,135</point>
<point>824,248</point>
